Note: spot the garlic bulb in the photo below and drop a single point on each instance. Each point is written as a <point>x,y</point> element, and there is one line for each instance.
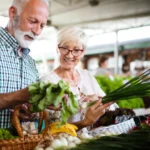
<point>56,144</point>
<point>64,142</point>
<point>49,148</point>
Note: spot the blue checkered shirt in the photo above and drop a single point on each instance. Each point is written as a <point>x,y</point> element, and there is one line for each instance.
<point>15,72</point>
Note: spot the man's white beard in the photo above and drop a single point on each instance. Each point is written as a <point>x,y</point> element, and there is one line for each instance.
<point>19,35</point>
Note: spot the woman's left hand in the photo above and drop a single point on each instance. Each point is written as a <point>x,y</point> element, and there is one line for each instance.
<point>94,112</point>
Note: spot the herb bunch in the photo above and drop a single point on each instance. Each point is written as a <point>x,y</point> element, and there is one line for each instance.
<point>45,94</point>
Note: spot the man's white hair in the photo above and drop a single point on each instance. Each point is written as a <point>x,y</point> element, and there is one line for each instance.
<point>20,3</point>
<point>72,33</point>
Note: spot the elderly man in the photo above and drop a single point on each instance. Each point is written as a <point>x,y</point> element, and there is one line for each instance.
<point>17,69</point>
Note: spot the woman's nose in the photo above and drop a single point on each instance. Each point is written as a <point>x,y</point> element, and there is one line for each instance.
<point>70,54</point>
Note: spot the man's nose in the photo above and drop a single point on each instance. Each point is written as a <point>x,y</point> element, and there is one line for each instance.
<point>37,29</point>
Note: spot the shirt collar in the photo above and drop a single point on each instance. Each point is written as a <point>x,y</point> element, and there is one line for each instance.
<point>25,50</point>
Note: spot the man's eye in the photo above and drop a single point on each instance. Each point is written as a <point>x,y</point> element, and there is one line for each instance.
<point>42,26</point>
<point>31,21</point>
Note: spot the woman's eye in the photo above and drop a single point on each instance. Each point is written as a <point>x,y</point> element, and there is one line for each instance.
<point>76,50</point>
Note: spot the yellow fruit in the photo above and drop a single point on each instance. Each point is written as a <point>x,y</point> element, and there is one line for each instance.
<point>75,127</point>
<point>54,123</point>
<point>68,124</point>
<point>67,128</point>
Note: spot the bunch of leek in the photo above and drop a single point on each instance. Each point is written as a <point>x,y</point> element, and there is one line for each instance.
<point>137,87</point>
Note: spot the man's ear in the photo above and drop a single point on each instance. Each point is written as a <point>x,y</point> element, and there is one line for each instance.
<point>12,12</point>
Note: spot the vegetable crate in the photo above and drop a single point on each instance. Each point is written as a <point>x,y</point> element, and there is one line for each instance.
<point>25,142</point>
<point>123,127</point>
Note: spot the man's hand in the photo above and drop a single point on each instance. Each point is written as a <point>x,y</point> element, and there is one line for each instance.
<point>25,113</point>
<point>52,107</point>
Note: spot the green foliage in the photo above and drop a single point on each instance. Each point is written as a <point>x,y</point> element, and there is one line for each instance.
<point>6,134</point>
<point>45,94</point>
<point>132,103</point>
<point>109,85</point>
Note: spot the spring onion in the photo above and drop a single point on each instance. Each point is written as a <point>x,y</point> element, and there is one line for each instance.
<point>137,87</point>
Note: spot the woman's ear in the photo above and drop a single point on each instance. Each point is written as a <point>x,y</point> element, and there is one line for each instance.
<point>57,51</point>
<point>83,53</point>
<point>12,12</point>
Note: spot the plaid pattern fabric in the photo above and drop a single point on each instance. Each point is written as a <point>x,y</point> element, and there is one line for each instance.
<point>15,72</point>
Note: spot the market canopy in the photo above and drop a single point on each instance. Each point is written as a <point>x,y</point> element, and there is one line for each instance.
<point>94,16</point>
<point>104,15</point>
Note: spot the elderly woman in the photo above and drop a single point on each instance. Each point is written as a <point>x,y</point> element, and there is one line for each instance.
<point>71,48</point>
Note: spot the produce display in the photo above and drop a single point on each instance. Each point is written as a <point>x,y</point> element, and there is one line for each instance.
<point>136,139</point>
<point>62,135</point>
<point>45,94</point>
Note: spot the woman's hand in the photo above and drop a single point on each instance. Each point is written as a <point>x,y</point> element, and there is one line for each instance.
<point>89,98</point>
<point>94,112</point>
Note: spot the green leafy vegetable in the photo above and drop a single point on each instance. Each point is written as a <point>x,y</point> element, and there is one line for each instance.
<point>6,134</point>
<point>45,94</point>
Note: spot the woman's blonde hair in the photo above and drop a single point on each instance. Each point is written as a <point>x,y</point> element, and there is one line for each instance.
<point>71,33</point>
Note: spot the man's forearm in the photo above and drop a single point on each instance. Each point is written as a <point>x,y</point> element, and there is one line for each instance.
<point>8,100</point>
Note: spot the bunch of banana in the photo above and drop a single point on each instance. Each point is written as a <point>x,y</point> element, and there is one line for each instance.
<point>66,128</point>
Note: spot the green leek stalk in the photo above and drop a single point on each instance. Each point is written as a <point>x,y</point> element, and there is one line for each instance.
<point>137,87</point>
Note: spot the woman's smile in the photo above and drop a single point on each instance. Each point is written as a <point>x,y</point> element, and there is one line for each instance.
<point>69,60</point>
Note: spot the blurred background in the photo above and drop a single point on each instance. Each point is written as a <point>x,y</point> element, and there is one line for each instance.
<point>117,29</point>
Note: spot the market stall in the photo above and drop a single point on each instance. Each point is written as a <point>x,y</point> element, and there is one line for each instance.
<point>118,129</point>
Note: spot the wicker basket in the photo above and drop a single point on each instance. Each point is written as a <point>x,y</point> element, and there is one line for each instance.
<point>25,142</point>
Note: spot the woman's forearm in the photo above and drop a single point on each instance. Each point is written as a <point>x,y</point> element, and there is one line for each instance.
<point>9,100</point>
<point>81,124</point>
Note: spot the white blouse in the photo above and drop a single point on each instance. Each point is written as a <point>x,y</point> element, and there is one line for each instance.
<point>87,85</point>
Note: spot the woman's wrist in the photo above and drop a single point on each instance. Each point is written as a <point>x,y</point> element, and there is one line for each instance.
<point>81,124</point>
<point>85,123</point>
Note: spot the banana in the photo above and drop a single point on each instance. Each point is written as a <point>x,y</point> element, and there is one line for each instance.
<point>68,124</point>
<point>72,125</point>
<point>67,128</point>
